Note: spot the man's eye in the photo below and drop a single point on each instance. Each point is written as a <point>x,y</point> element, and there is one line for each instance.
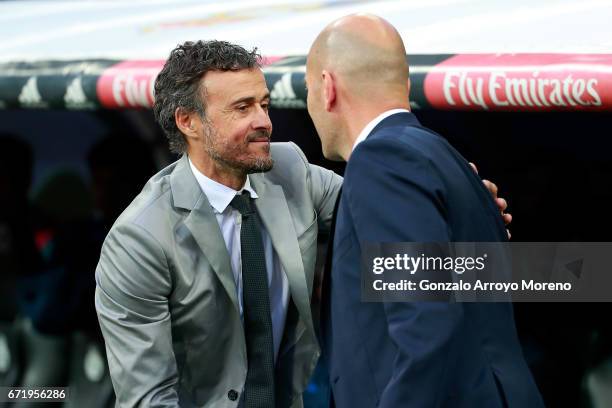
<point>242,108</point>
<point>265,106</point>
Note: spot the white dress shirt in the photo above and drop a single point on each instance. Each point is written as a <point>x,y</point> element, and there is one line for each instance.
<point>229,220</point>
<point>365,132</point>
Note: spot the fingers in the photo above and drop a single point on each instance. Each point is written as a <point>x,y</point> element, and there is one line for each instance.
<point>491,187</point>
<point>507,218</point>
<point>501,203</point>
<point>473,166</point>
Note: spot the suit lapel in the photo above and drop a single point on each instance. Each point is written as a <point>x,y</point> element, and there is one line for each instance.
<point>203,225</point>
<point>274,212</point>
<point>205,230</point>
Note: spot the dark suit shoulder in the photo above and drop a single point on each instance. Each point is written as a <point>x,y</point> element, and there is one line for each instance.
<point>408,153</point>
<point>424,158</point>
<point>416,140</point>
<point>387,164</point>
<point>418,144</point>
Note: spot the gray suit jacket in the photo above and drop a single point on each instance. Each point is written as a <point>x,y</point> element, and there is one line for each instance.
<point>166,298</point>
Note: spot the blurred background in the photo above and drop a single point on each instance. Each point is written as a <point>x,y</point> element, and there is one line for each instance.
<point>523,89</point>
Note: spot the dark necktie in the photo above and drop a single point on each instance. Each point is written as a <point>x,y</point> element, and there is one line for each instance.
<point>259,386</point>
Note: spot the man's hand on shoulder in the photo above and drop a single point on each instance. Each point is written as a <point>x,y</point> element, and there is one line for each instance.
<point>502,204</point>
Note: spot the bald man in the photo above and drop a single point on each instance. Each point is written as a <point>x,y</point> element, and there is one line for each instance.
<point>403,183</point>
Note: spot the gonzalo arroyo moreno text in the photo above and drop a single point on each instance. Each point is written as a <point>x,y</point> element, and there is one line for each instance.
<point>457,265</point>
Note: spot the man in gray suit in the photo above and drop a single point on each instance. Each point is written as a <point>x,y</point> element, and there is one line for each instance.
<point>174,299</point>
<point>204,282</point>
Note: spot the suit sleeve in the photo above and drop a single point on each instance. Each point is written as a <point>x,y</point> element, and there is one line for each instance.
<point>324,186</point>
<point>394,196</point>
<point>132,285</point>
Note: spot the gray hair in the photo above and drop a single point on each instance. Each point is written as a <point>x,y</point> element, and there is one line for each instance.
<point>179,84</point>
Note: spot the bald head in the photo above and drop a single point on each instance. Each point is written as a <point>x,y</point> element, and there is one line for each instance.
<point>356,70</point>
<point>365,50</point>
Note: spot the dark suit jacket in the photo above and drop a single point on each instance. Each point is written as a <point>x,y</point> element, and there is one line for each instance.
<point>405,183</point>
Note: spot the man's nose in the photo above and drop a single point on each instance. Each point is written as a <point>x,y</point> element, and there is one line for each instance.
<point>262,119</point>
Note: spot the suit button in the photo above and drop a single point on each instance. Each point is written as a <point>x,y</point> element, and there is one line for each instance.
<point>232,395</point>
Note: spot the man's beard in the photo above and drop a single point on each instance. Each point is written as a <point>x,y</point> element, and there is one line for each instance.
<point>225,154</point>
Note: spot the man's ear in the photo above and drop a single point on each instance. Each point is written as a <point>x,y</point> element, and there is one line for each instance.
<point>329,89</point>
<point>186,122</point>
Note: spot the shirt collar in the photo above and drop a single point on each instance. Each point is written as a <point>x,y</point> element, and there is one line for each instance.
<point>219,195</point>
<point>370,126</point>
